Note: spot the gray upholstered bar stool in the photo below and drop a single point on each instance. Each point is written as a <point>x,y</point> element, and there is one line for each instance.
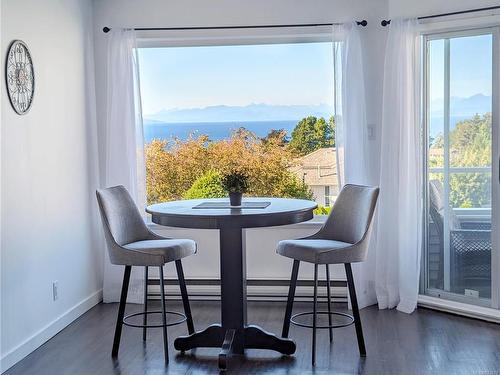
<point>343,239</point>
<point>131,243</point>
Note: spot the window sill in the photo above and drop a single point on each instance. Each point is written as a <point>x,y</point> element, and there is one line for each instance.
<point>459,308</point>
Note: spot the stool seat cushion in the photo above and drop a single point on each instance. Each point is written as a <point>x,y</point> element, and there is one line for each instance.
<point>318,251</point>
<point>148,251</point>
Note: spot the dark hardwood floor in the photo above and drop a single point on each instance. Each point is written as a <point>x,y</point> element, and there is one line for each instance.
<point>426,342</point>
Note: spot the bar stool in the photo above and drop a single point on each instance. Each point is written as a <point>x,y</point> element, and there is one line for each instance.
<point>343,239</point>
<point>131,243</point>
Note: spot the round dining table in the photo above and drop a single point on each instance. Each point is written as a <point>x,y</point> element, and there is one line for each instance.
<point>233,335</point>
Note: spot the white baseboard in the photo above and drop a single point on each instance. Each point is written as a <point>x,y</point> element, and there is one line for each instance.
<point>50,330</point>
<point>459,308</point>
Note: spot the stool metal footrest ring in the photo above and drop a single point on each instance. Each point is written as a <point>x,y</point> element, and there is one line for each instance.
<point>182,320</point>
<point>340,325</point>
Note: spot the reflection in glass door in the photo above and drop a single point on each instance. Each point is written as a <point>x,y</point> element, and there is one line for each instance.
<point>459,145</point>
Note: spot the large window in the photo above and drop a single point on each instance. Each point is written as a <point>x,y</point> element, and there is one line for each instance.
<point>264,110</point>
<point>459,70</point>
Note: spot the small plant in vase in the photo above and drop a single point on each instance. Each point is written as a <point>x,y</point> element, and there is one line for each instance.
<point>235,184</point>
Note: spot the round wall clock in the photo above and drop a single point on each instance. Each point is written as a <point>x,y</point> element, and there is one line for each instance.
<point>20,77</point>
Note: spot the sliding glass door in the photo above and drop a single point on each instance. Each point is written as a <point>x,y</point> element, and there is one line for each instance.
<point>460,133</point>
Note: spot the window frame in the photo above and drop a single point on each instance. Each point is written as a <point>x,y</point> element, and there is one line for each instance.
<point>236,37</point>
<point>229,37</point>
<point>453,29</point>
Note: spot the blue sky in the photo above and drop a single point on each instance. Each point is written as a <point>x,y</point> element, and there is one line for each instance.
<point>193,77</point>
<point>470,66</point>
<point>187,77</point>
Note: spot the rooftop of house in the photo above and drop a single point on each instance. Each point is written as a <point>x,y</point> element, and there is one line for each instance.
<point>319,168</point>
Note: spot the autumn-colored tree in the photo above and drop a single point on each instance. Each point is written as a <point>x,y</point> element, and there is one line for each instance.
<point>276,135</point>
<point>173,165</point>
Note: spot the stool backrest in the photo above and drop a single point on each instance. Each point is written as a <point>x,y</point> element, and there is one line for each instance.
<point>351,215</point>
<point>122,220</point>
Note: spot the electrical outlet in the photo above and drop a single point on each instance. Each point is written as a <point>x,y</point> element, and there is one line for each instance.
<point>55,290</point>
<point>471,293</point>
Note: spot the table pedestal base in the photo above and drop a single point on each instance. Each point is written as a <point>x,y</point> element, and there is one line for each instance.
<point>234,341</point>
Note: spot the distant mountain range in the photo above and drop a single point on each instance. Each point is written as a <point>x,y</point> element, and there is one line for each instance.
<point>252,112</point>
<point>460,107</point>
<point>463,107</point>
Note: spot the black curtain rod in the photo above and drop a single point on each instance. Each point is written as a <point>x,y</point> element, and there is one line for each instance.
<point>387,22</point>
<point>107,29</point>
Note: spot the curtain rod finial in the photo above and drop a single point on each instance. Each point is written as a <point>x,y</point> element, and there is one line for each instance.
<point>362,23</point>
<point>385,22</point>
<point>106,29</point>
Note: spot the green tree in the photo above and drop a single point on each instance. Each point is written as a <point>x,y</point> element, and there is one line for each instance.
<point>311,134</point>
<point>470,146</point>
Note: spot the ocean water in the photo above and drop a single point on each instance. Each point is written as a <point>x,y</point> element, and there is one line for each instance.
<point>215,130</point>
<point>222,130</point>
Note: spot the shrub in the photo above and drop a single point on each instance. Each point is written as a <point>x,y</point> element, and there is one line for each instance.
<point>322,210</point>
<point>290,186</point>
<point>208,185</point>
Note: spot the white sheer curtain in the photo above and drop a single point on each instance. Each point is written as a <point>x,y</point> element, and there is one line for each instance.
<point>124,143</point>
<point>399,224</point>
<point>350,113</point>
<point>351,135</point>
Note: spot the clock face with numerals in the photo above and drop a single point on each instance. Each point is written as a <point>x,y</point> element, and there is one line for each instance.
<point>20,77</point>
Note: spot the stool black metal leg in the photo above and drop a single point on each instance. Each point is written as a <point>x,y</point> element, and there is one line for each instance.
<point>163,315</point>
<point>314,314</point>
<point>121,311</point>
<point>145,318</point>
<point>185,298</point>
<point>328,293</point>
<point>291,296</point>
<point>355,310</point>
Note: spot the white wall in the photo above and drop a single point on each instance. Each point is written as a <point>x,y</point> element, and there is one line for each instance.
<point>48,176</point>
<point>412,8</point>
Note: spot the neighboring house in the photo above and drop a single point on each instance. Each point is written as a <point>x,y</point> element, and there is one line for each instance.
<point>319,171</point>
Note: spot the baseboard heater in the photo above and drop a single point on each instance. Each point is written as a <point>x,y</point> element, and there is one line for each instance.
<point>257,289</point>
